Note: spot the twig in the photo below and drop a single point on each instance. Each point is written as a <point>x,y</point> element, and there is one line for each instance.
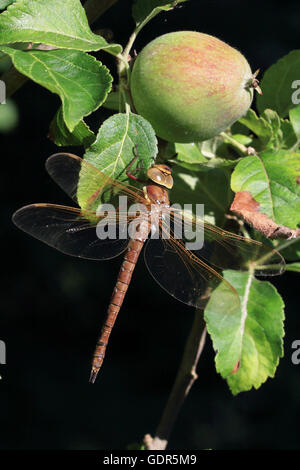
<point>242,149</point>
<point>185,378</point>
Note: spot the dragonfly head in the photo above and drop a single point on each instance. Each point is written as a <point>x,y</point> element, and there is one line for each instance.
<point>161,174</point>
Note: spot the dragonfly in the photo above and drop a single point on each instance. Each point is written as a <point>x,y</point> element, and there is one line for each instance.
<point>189,275</point>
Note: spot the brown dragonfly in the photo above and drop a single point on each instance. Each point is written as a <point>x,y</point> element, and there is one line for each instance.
<point>188,275</point>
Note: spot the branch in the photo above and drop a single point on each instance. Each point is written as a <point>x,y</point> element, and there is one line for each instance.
<point>185,378</point>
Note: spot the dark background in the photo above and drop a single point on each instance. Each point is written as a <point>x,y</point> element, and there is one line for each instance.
<point>52,306</point>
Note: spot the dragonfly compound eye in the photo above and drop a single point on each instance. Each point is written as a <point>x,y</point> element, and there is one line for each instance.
<point>161,174</point>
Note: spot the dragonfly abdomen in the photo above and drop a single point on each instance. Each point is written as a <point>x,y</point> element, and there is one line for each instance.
<point>123,281</point>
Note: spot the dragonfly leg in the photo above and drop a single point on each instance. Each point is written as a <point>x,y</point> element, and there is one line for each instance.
<point>130,173</point>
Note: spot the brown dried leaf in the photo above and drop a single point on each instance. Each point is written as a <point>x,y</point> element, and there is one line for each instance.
<point>247,207</point>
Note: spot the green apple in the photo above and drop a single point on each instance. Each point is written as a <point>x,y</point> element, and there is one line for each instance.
<point>191,86</point>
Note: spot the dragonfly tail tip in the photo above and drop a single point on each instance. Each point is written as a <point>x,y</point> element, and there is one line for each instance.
<point>93,376</point>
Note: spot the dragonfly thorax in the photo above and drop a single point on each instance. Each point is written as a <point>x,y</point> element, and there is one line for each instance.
<point>157,194</point>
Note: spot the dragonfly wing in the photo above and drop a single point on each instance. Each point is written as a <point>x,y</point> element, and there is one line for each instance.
<point>183,275</point>
<point>226,250</point>
<point>69,230</point>
<point>85,184</point>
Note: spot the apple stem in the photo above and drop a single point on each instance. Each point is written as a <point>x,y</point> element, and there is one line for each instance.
<point>124,70</point>
<point>242,149</point>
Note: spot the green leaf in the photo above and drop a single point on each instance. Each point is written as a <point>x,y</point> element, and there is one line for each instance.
<point>204,156</point>
<point>238,128</point>
<point>213,148</point>
<point>5,63</point>
<point>79,79</point>
<point>242,139</point>
<point>252,336</point>
<point>258,125</point>
<point>293,267</point>
<point>271,131</point>
<point>283,135</point>
<point>113,101</point>
<point>272,180</point>
<point>61,136</point>
<point>274,121</point>
<point>144,10</point>
<point>189,153</point>
<point>290,248</point>
<point>287,136</point>
<point>5,3</point>
<point>62,24</point>
<point>221,163</point>
<point>294,115</point>
<point>210,188</point>
<point>278,85</point>
<point>114,148</point>
<point>212,164</point>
